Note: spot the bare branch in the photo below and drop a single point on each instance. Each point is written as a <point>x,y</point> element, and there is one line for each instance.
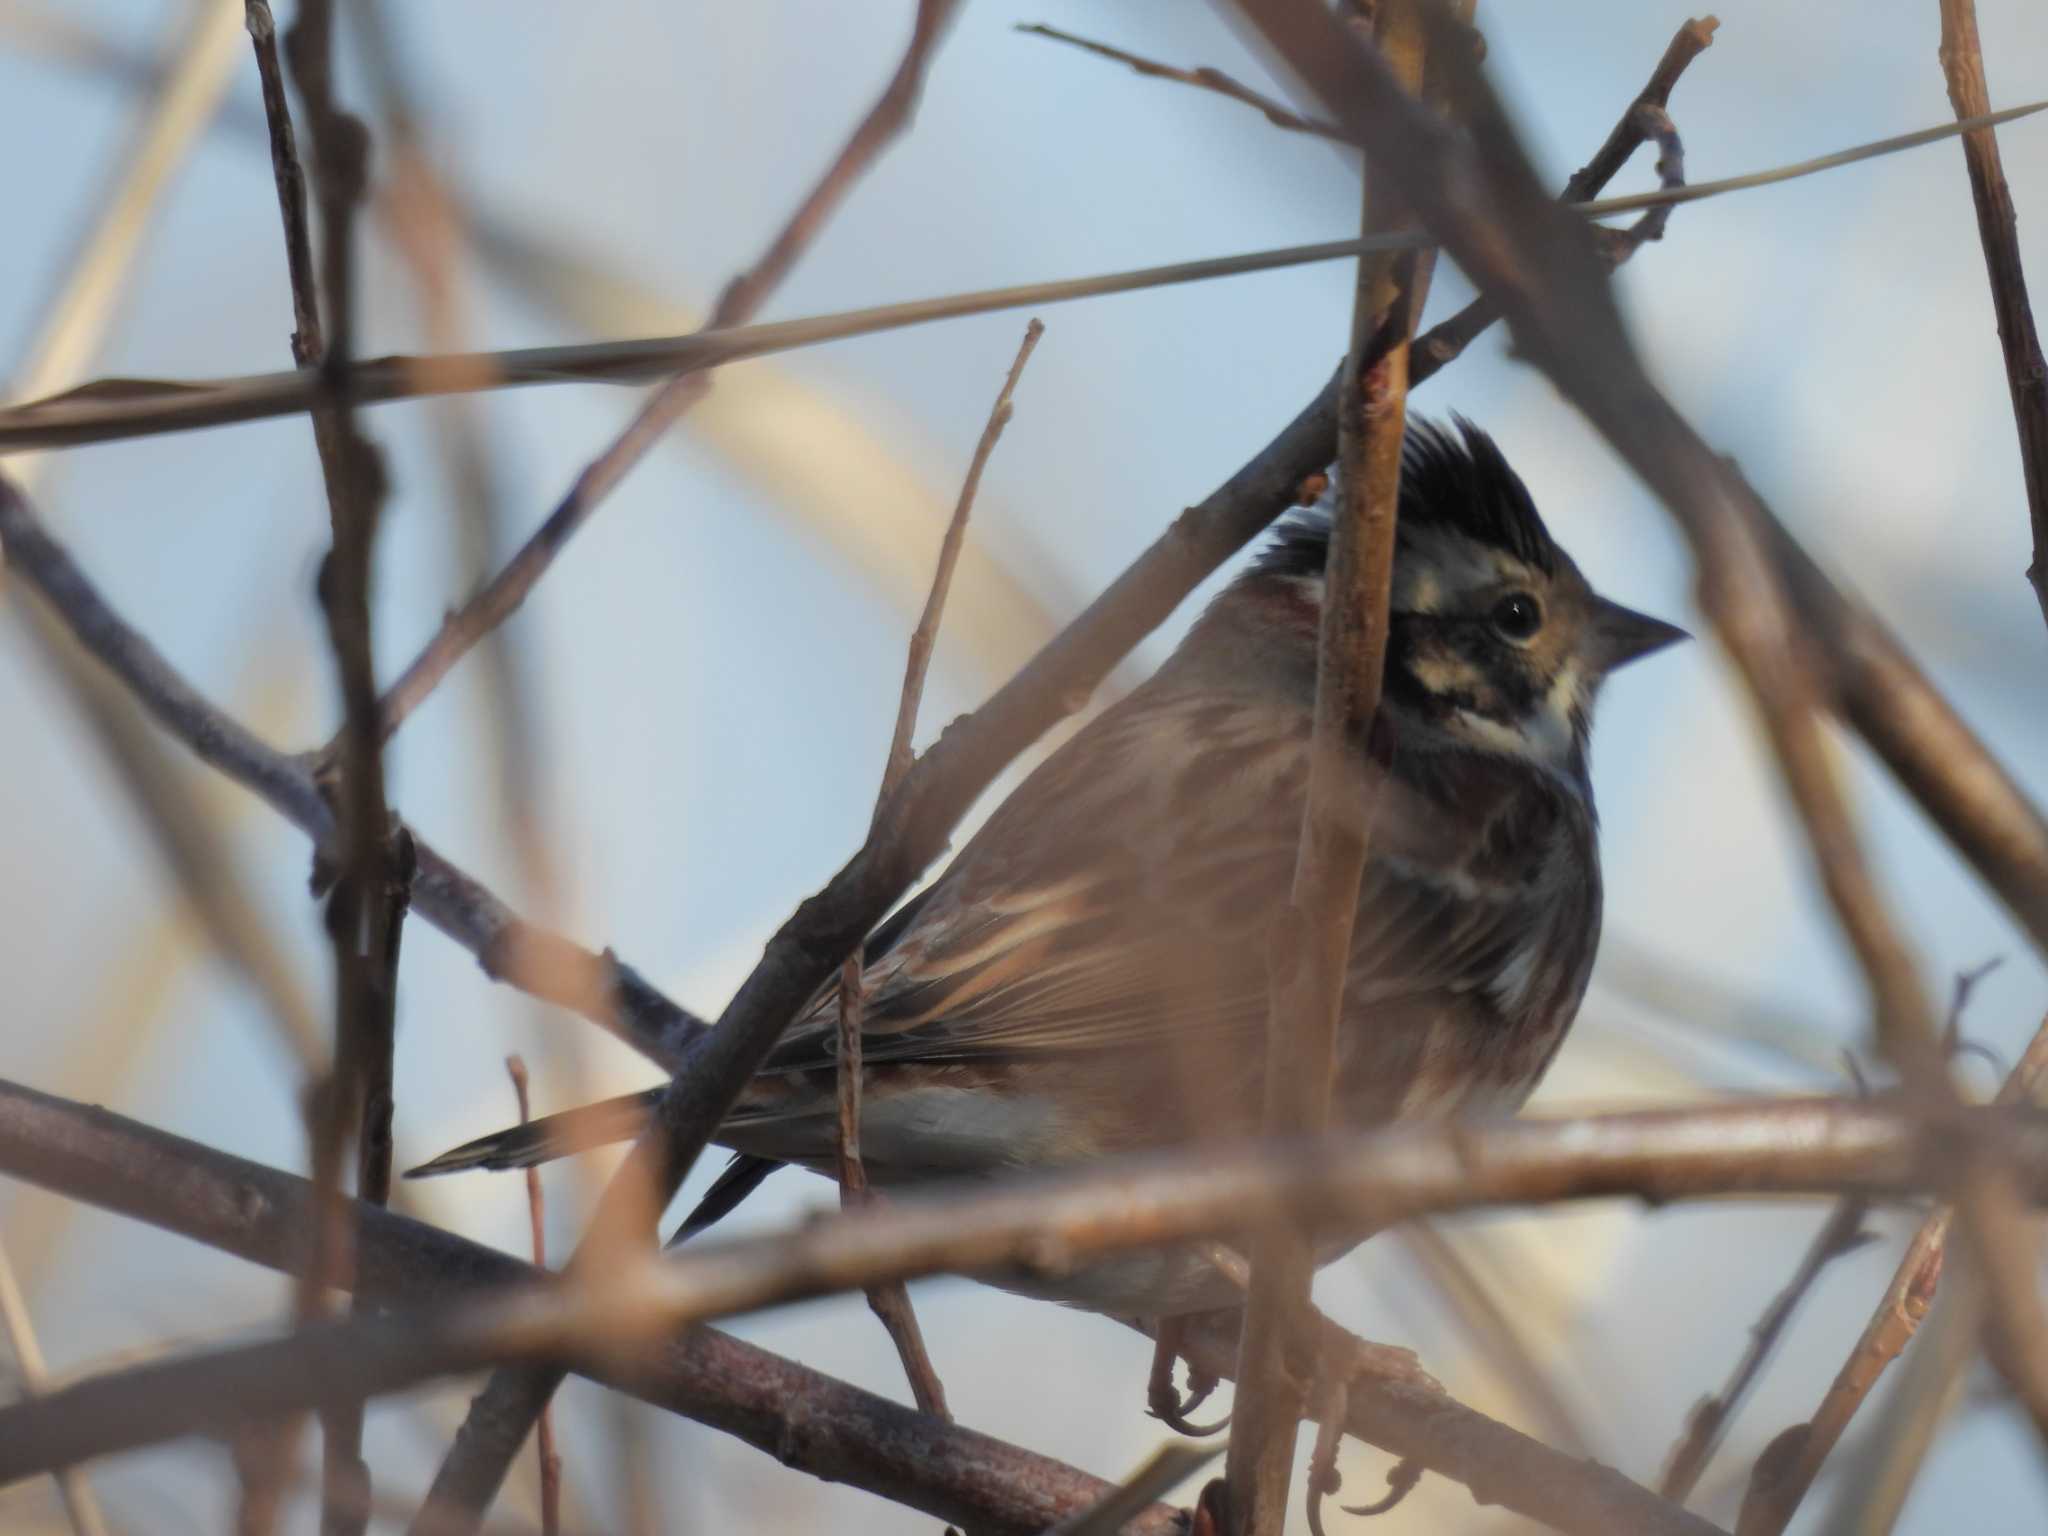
<point>1279,114</point>
<point>1782,1481</point>
<point>114,409</point>
<point>81,1504</point>
<point>503,1413</point>
<point>1048,1225</point>
<point>891,1303</point>
<point>549,1459</point>
<point>503,594</point>
<point>1962,61</point>
<point>1707,1424</point>
<point>806,1420</point>
<point>1310,945</point>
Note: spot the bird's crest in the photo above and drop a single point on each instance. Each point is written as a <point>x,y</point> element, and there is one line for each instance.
<point>1456,481</point>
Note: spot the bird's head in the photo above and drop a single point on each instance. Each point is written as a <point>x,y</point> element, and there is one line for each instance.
<point>1495,640</point>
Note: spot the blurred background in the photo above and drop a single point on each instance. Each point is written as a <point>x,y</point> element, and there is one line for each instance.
<point>702,689</point>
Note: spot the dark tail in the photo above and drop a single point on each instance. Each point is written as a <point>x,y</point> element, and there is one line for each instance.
<point>551,1136</point>
<point>742,1176</point>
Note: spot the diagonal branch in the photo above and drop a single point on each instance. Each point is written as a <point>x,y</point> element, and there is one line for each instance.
<point>503,1414</point>
<point>1962,61</point>
<point>1781,1481</point>
<point>1480,198</point>
<point>742,298</point>
<point>808,1421</point>
<point>891,1303</point>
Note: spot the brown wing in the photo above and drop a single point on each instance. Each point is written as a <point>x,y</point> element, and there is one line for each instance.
<point>1122,896</point>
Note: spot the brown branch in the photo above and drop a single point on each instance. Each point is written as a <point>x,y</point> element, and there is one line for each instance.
<point>81,1505</point>
<point>808,1421</point>
<point>548,1458</point>
<point>114,409</point>
<point>891,1303</point>
<point>1046,1226</point>
<point>599,986</point>
<point>309,344</point>
<point>937,791</point>
<point>2026,375</point>
<point>366,907</point>
<point>742,298</point>
<point>1310,944</point>
<point>1705,1426</point>
<point>1275,112</point>
<point>504,1412</point>
<point>1781,1481</point>
<point>1500,1325</point>
<point>1479,197</point>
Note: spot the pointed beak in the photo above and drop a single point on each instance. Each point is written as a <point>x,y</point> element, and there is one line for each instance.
<point>1626,636</point>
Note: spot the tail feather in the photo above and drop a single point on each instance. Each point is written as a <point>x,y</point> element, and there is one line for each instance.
<point>742,1176</point>
<point>551,1136</point>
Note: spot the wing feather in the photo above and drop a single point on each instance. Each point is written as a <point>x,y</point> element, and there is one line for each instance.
<point>1054,932</point>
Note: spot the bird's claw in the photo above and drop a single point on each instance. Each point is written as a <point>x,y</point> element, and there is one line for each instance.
<point>1329,1404</point>
<point>1163,1399</point>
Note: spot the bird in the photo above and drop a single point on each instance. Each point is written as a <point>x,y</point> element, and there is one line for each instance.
<point>1089,975</point>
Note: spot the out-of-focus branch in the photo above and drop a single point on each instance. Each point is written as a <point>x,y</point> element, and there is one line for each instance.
<point>804,1419</point>
<point>742,298</point>
<point>108,410</point>
<point>891,1303</point>
<point>1310,945</point>
<point>1707,1424</point>
<point>181,103</point>
<point>2026,374</point>
<point>1478,195</point>
<point>599,986</point>
<point>1046,1226</point>
<point>81,1504</point>
<point>506,1409</point>
<point>1782,1480</point>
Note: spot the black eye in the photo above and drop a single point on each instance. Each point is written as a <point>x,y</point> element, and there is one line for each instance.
<point>1517,616</point>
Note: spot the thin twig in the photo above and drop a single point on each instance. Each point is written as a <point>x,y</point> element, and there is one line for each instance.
<point>114,409</point>
<point>891,1303</point>
<point>1780,1482</point>
<point>2026,375</point>
<point>548,1458</point>
<point>372,876</point>
<point>1310,943</point>
<point>1840,1234</point>
<point>1158,1475</point>
<point>81,1504</point>
<point>742,298</point>
<point>1051,1225</point>
<point>503,1413</point>
<point>1275,112</point>
<point>1496,1328</point>
<point>805,1420</point>
<point>1872,1486</point>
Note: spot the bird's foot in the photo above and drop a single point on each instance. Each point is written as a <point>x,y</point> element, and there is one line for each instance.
<point>1162,1397</point>
<point>1350,1362</point>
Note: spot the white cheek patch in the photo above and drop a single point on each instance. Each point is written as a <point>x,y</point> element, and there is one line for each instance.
<point>1542,738</point>
<point>1441,674</point>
